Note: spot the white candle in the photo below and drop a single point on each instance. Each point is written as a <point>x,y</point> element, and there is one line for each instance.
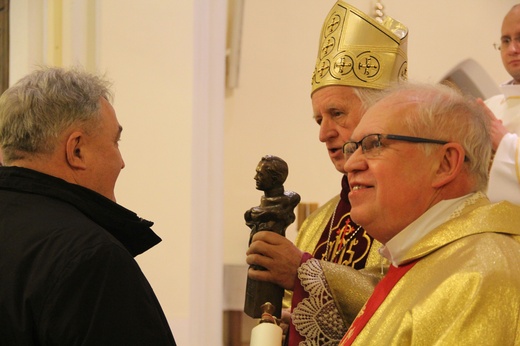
<point>266,334</point>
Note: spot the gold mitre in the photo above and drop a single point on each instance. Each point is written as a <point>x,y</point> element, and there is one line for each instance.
<point>357,50</point>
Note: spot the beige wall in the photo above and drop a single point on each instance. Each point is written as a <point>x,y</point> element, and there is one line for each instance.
<point>270,111</point>
<point>166,59</point>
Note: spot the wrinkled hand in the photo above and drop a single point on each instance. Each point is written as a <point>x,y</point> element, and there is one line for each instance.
<point>277,255</point>
<point>497,130</point>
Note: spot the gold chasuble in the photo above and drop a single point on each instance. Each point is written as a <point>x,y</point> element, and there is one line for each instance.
<point>349,287</point>
<point>464,288</point>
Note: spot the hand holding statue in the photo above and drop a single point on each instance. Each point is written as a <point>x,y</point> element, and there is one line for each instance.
<point>279,257</point>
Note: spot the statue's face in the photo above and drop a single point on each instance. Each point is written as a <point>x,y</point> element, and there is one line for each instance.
<point>264,179</point>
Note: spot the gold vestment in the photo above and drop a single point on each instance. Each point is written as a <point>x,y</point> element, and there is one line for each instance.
<point>350,288</point>
<point>465,288</point>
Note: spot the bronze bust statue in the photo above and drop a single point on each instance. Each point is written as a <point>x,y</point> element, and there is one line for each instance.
<point>276,209</point>
<point>275,213</point>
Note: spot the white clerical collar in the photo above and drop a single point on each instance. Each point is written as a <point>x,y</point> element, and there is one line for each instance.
<point>509,89</point>
<point>398,246</point>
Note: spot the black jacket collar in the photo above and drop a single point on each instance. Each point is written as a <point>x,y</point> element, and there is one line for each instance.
<point>132,231</point>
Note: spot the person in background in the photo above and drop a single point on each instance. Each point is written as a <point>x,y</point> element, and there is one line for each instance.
<point>357,58</point>
<point>504,111</point>
<point>417,166</point>
<point>66,247</point>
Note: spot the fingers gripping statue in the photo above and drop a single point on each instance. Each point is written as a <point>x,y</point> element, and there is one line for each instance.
<point>275,213</point>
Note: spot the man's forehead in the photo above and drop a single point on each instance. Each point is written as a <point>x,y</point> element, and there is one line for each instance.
<point>372,122</point>
<point>396,101</point>
<point>389,110</point>
<point>511,30</point>
<point>511,23</point>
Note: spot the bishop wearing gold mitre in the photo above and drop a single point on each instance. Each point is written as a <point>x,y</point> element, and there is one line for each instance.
<point>358,57</point>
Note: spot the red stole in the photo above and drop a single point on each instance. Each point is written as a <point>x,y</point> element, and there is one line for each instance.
<point>294,338</point>
<point>381,291</point>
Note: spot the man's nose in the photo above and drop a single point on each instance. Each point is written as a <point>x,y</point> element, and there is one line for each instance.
<point>327,129</point>
<point>514,46</point>
<point>354,161</point>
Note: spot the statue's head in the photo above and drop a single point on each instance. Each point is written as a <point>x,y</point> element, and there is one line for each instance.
<point>271,173</point>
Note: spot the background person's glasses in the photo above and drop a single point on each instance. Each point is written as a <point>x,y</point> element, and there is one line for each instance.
<point>505,42</point>
<point>371,144</point>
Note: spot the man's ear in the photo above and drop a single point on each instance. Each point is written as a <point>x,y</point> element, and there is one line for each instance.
<point>74,150</point>
<point>450,165</point>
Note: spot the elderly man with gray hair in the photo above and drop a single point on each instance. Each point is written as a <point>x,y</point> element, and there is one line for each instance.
<point>417,164</point>
<point>66,247</point>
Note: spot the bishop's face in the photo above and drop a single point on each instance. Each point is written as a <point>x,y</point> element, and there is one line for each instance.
<point>337,110</point>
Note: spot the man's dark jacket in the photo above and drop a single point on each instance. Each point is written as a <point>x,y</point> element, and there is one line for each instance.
<point>67,272</point>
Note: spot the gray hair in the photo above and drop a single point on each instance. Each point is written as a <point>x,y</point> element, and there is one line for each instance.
<point>367,96</point>
<point>42,105</point>
<point>444,113</point>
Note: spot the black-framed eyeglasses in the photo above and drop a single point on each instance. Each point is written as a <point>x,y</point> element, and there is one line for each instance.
<point>371,144</point>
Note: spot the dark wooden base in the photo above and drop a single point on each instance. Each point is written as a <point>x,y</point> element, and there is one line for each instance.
<point>259,293</point>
